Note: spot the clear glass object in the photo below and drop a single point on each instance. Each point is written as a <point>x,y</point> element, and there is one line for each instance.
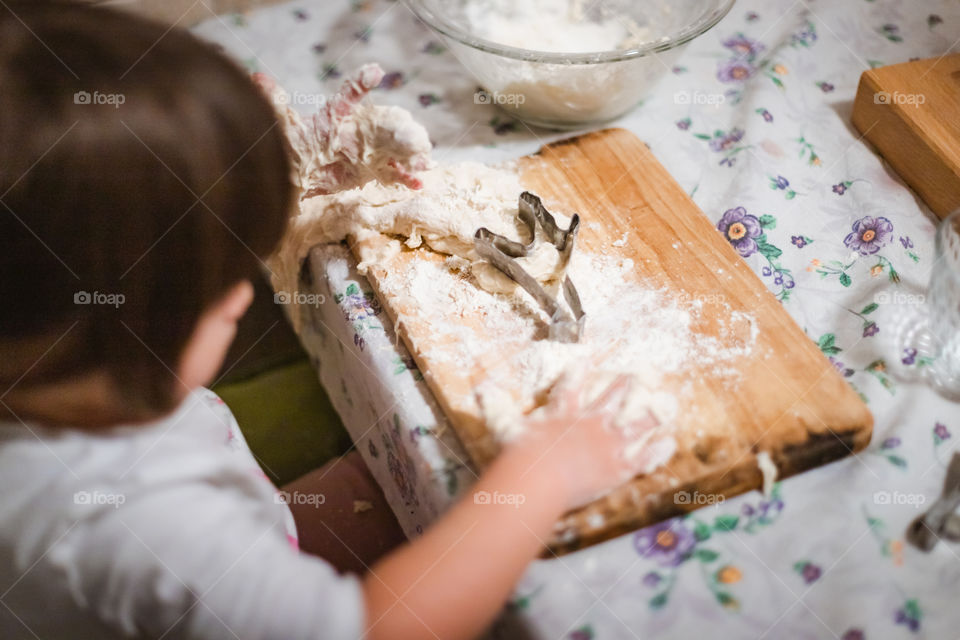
<point>925,330</point>
<point>563,90</point>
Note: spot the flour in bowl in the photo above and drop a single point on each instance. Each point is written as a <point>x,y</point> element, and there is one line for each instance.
<point>562,26</point>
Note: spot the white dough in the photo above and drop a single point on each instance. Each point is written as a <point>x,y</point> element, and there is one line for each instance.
<point>455,201</point>
<point>769,471</point>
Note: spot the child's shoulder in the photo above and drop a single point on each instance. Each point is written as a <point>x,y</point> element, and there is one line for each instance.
<point>191,462</point>
<point>196,442</point>
<point>142,511</point>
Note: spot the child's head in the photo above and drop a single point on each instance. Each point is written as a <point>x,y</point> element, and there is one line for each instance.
<point>142,178</point>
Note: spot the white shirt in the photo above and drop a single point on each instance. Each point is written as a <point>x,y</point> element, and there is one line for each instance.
<point>168,529</point>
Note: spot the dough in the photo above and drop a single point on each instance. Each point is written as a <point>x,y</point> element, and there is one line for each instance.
<point>348,143</point>
<point>364,169</point>
<point>769,472</point>
<point>444,215</point>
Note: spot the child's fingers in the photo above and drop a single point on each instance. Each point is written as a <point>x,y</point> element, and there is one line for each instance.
<point>354,90</point>
<point>639,426</point>
<point>401,175</point>
<point>646,455</point>
<point>567,396</point>
<point>612,399</point>
<point>564,397</point>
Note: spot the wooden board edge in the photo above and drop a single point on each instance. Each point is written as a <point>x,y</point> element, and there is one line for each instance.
<point>889,128</point>
<point>481,447</point>
<point>742,478</point>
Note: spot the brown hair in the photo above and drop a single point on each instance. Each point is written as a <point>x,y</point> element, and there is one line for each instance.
<point>134,162</point>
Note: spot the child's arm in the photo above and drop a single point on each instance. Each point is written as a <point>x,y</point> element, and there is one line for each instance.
<point>452,582</point>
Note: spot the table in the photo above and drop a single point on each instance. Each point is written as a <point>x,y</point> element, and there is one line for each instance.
<point>754,114</point>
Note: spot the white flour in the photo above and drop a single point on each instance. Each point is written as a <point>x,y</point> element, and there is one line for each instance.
<point>559,26</point>
<point>560,91</point>
<point>644,333</point>
<point>550,25</point>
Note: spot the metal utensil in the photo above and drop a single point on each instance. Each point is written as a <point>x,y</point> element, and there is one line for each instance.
<point>565,325</point>
<point>941,521</point>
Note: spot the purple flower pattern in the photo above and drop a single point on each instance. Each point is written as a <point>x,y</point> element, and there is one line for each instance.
<point>744,46</point>
<point>725,141</point>
<point>735,71</point>
<point>808,571</point>
<point>890,443</point>
<point>940,433</point>
<point>741,230</point>
<point>869,234</point>
<point>668,542</point>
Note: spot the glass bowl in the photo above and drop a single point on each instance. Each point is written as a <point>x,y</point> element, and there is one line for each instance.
<point>587,66</point>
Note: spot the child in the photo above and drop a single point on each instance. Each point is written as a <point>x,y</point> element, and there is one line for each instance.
<point>143,178</point>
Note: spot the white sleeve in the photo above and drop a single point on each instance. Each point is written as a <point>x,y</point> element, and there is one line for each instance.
<point>198,560</point>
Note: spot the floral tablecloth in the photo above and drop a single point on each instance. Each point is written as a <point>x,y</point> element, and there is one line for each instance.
<point>754,121</point>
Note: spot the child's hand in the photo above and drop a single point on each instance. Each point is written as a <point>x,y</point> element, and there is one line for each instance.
<point>592,447</point>
<point>347,144</point>
<point>572,451</point>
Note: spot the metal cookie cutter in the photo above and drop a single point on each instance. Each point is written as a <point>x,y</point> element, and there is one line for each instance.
<point>565,326</point>
<point>940,522</point>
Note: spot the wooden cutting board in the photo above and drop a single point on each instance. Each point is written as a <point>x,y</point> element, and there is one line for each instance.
<point>787,400</point>
<point>911,114</point>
